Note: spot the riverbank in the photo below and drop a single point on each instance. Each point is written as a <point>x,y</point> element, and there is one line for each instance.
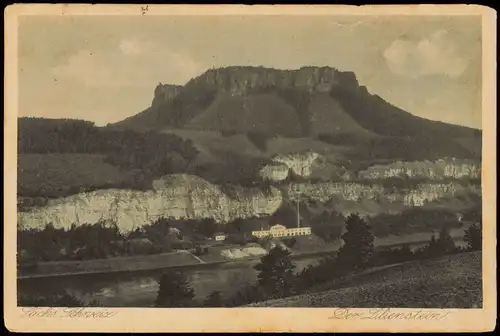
<point>185,260</point>
<point>142,264</point>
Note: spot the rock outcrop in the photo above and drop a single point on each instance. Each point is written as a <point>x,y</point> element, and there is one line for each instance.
<point>238,80</point>
<point>165,92</point>
<point>306,164</point>
<point>325,191</point>
<point>274,172</point>
<point>175,196</point>
<point>438,170</point>
<point>300,164</point>
<point>429,192</point>
<point>418,195</point>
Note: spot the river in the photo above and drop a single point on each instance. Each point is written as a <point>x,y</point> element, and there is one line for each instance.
<point>140,289</point>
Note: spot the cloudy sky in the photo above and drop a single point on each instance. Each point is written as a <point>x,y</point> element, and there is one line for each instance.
<point>105,69</point>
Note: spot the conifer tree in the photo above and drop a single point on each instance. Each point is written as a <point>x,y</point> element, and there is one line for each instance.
<point>357,252</point>
<point>276,273</point>
<point>175,290</point>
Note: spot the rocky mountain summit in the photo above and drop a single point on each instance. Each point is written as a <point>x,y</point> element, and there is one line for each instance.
<point>301,102</point>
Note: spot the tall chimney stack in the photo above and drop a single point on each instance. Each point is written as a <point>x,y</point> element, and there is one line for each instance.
<point>298,211</point>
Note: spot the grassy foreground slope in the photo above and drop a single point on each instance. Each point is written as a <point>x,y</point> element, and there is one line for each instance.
<point>447,282</point>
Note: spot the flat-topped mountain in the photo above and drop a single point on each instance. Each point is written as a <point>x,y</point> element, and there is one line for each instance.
<point>295,103</point>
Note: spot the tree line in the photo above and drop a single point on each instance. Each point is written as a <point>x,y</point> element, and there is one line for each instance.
<point>390,147</point>
<point>105,240</point>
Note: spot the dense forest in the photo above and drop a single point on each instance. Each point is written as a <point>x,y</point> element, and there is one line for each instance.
<point>41,135</point>
<point>392,147</point>
<point>148,154</point>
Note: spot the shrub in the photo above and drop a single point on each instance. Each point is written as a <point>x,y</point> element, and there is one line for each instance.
<point>445,243</point>
<point>174,291</point>
<point>326,269</point>
<point>473,237</point>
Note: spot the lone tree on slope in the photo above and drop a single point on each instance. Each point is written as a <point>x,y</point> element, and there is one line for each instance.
<point>175,290</point>
<point>357,252</point>
<point>276,273</point>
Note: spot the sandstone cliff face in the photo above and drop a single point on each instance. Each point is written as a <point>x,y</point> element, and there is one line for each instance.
<point>428,192</point>
<point>177,196</point>
<point>191,197</point>
<point>185,196</point>
<point>165,92</point>
<point>301,164</point>
<point>274,172</point>
<point>325,191</point>
<point>438,170</point>
<point>416,196</point>
<point>306,164</point>
<point>239,80</point>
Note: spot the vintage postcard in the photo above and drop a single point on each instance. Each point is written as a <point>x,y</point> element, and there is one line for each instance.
<point>232,168</point>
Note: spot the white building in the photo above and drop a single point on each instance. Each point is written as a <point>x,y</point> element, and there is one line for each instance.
<point>281,231</point>
<point>219,236</point>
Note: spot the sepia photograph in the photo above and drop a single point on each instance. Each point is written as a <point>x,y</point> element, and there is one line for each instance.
<point>245,160</point>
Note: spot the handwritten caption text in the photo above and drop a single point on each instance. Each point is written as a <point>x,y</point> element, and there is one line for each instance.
<point>388,314</point>
<point>52,312</point>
